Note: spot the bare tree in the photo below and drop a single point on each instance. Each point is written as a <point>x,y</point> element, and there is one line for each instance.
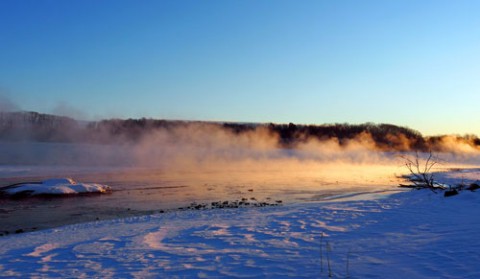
<point>420,172</point>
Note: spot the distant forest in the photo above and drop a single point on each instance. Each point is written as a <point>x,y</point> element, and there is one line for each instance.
<point>33,126</point>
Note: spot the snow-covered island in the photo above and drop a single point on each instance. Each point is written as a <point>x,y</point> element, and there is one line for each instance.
<point>56,187</point>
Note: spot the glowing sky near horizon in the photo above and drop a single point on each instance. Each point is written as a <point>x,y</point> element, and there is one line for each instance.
<point>410,63</point>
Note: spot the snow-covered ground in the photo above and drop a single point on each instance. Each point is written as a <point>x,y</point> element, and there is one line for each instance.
<point>412,234</point>
<point>460,175</point>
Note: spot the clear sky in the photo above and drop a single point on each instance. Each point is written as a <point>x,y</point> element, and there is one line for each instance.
<point>412,63</point>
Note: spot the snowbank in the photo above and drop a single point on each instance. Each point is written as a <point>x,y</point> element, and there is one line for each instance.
<point>414,234</point>
<point>57,186</point>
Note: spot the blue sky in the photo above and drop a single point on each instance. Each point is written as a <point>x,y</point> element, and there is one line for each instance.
<point>412,63</point>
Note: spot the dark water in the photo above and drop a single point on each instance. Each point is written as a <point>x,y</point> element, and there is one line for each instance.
<point>139,192</point>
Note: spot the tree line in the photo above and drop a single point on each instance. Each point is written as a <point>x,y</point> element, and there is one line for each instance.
<point>33,126</point>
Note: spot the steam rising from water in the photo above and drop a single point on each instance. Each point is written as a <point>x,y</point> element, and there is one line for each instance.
<point>6,104</point>
<point>210,148</point>
<point>207,146</point>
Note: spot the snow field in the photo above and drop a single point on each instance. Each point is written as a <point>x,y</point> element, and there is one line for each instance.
<point>415,234</point>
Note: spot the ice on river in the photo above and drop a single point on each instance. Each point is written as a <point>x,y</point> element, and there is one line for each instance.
<point>54,186</point>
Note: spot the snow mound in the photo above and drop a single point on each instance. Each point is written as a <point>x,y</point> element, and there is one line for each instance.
<point>56,186</point>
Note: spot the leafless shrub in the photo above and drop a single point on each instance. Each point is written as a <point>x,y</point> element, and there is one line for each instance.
<point>421,175</point>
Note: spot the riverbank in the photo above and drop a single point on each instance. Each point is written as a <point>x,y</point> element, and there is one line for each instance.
<point>405,234</point>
